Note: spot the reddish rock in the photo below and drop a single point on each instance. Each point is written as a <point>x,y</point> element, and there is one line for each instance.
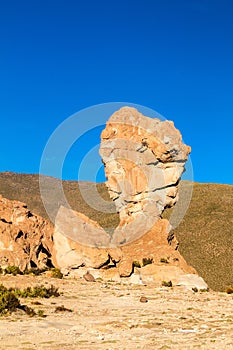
<point>25,238</point>
<point>143,299</point>
<point>151,247</point>
<point>89,277</point>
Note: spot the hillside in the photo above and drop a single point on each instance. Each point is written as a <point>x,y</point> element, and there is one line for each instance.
<point>25,188</point>
<point>205,234</point>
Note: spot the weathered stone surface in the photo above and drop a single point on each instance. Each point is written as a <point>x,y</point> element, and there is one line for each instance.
<point>190,281</point>
<point>156,273</point>
<point>25,238</point>
<point>79,228</point>
<point>77,239</point>
<point>144,159</point>
<point>89,277</point>
<point>152,246</point>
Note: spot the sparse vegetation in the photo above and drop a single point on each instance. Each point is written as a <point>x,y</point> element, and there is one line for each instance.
<point>205,234</point>
<point>35,271</point>
<point>136,264</point>
<point>41,313</point>
<point>29,311</point>
<point>9,298</point>
<point>56,273</point>
<point>37,292</point>
<point>167,283</point>
<point>164,260</point>
<point>8,301</point>
<point>15,270</point>
<point>12,270</point>
<point>147,261</point>
<point>62,308</point>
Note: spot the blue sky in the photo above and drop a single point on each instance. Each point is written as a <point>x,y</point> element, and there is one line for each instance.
<point>174,56</point>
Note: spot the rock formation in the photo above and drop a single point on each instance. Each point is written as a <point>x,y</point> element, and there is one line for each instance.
<point>71,228</point>
<point>25,238</point>
<point>144,159</point>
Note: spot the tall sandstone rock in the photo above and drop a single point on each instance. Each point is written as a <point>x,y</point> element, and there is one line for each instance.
<point>25,238</point>
<point>144,159</point>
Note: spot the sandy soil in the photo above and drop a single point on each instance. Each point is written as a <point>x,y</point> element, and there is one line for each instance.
<point>110,316</point>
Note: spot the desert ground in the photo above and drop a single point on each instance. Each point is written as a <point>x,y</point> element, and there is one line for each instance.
<point>109,315</point>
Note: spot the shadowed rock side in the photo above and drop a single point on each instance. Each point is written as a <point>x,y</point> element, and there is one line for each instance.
<point>144,159</point>
<point>25,238</point>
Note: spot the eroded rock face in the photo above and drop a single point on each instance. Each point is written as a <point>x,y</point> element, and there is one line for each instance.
<point>25,238</point>
<point>71,253</point>
<point>144,159</point>
<point>77,239</point>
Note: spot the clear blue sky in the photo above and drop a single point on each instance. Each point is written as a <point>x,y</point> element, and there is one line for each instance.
<point>174,56</point>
